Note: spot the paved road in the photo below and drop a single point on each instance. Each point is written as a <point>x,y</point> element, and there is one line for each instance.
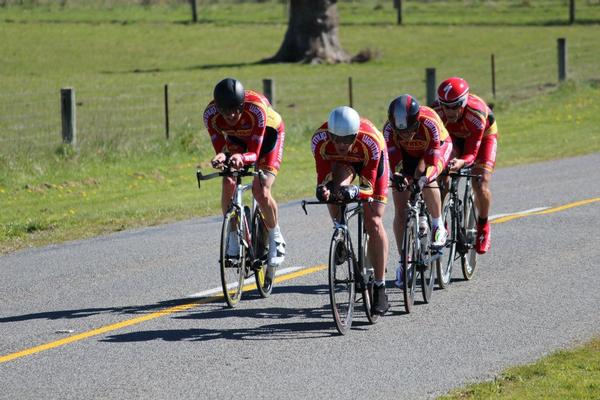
<point>98,302</point>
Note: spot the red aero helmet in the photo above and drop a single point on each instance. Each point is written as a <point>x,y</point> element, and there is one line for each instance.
<point>453,92</point>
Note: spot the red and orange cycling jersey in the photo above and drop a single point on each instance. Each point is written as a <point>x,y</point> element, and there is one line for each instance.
<point>431,142</point>
<point>367,157</point>
<point>475,133</point>
<point>258,135</point>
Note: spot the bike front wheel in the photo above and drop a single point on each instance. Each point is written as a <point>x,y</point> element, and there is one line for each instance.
<point>260,245</point>
<point>409,261</point>
<point>341,281</point>
<point>469,258</point>
<point>233,265</point>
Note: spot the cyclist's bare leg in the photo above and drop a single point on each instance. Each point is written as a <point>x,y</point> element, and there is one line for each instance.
<point>483,195</point>
<point>228,188</point>
<point>378,242</point>
<point>262,193</point>
<point>400,202</point>
<point>433,199</point>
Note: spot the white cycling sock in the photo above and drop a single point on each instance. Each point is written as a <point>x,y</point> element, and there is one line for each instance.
<point>435,222</point>
<point>274,231</point>
<point>379,283</point>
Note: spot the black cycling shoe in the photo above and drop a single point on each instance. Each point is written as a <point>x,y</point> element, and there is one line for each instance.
<point>380,300</point>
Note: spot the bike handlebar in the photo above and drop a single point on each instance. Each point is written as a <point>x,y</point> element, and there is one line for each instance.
<point>304,203</point>
<point>228,171</point>
<point>401,186</point>
<point>462,173</point>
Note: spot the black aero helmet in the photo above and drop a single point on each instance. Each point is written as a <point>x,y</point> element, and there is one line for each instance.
<point>229,94</point>
<point>403,112</point>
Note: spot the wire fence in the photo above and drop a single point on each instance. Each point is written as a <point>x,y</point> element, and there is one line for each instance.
<point>128,117</point>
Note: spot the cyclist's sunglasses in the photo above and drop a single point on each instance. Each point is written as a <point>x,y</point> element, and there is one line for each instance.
<point>229,111</point>
<point>455,105</point>
<point>407,131</point>
<point>343,139</point>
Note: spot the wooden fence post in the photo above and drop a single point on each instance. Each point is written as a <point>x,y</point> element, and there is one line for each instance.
<point>167,111</point>
<point>571,12</point>
<point>269,91</point>
<point>68,115</point>
<point>430,79</point>
<point>194,11</point>
<point>350,94</point>
<point>562,59</point>
<point>493,76</point>
<point>398,7</point>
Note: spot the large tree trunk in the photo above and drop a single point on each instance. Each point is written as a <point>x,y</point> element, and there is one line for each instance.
<point>312,34</point>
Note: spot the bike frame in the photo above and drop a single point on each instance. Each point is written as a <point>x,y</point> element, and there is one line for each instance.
<point>361,276</point>
<point>346,214</point>
<point>244,226</point>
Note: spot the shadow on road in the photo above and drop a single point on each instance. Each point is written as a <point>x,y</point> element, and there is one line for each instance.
<point>314,323</point>
<point>149,308</point>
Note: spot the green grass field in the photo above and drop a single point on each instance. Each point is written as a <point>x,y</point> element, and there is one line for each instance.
<point>123,173</point>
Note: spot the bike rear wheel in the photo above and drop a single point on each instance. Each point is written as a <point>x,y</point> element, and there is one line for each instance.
<point>469,259</point>
<point>233,267</point>
<point>445,263</point>
<point>367,293</point>
<point>341,281</point>
<point>260,241</point>
<point>409,259</point>
<point>427,271</point>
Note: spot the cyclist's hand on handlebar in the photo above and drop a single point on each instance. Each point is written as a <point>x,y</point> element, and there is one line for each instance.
<point>348,193</point>
<point>236,161</point>
<point>455,164</point>
<point>218,161</point>
<point>400,181</point>
<point>323,193</point>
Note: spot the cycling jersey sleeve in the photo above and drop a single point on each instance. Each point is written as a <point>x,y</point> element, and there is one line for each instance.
<point>374,148</point>
<point>322,165</point>
<point>432,157</point>
<point>475,122</point>
<point>216,137</point>
<point>259,115</point>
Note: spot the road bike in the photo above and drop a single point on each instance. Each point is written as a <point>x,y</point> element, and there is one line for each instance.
<point>417,255</point>
<point>249,231</point>
<point>350,271</point>
<point>460,218</point>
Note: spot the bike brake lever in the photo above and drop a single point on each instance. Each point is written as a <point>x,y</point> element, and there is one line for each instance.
<point>304,207</point>
<point>198,177</point>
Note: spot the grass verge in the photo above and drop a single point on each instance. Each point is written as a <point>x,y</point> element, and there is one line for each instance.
<point>566,374</point>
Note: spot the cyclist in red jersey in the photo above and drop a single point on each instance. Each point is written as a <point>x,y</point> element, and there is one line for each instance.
<point>346,146</point>
<point>474,131</point>
<point>245,130</point>
<point>419,148</point>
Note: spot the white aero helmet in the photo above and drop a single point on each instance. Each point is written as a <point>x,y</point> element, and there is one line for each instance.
<point>343,121</point>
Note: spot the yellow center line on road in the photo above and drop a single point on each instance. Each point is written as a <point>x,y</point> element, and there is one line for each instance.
<point>147,317</point>
<point>249,287</point>
<point>547,211</point>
